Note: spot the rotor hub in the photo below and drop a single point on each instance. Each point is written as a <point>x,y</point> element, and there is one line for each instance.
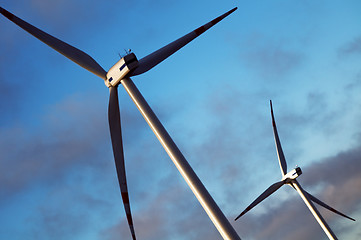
<point>293,174</point>
<point>121,69</point>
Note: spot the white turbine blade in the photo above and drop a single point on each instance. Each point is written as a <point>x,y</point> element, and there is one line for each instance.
<point>117,143</point>
<point>319,202</point>
<point>281,156</point>
<point>74,54</point>
<point>161,54</point>
<point>263,196</point>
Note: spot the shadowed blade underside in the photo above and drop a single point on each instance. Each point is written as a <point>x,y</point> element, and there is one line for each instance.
<point>117,144</point>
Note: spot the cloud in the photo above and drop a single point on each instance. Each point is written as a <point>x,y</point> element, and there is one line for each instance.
<point>53,12</point>
<point>53,149</point>
<point>351,48</point>
<point>173,212</point>
<point>270,59</point>
<point>69,211</point>
<point>339,177</point>
<point>11,92</point>
<point>9,103</point>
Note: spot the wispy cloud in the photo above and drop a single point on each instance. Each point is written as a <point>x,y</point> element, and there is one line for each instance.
<point>53,149</point>
<point>351,48</point>
<point>270,59</point>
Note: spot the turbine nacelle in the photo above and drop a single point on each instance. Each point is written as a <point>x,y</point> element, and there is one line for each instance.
<point>121,69</point>
<point>293,174</point>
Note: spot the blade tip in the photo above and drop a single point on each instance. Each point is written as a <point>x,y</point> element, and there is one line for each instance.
<point>232,10</point>
<point>240,215</point>
<point>270,102</point>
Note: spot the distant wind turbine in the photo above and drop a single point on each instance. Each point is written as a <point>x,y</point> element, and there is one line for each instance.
<point>290,179</point>
<point>120,73</point>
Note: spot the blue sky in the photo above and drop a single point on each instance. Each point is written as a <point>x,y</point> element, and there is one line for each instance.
<point>57,173</point>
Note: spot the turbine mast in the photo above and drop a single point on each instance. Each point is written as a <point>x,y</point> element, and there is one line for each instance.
<point>209,205</point>
<point>314,211</point>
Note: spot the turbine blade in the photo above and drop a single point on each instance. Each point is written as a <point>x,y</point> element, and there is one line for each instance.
<point>74,54</point>
<point>153,59</point>
<point>263,196</point>
<point>319,202</point>
<point>117,143</point>
<point>281,156</point>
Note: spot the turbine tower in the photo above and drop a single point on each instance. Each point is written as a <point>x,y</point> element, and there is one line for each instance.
<point>120,73</point>
<point>289,178</point>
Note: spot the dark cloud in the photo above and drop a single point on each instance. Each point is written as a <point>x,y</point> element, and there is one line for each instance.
<point>150,223</point>
<point>339,177</point>
<point>173,212</point>
<point>351,48</point>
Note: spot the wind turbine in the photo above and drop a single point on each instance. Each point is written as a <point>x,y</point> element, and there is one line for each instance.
<point>120,73</point>
<point>290,179</point>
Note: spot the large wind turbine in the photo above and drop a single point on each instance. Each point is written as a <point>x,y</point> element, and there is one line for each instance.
<point>120,73</point>
<point>290,179</point>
